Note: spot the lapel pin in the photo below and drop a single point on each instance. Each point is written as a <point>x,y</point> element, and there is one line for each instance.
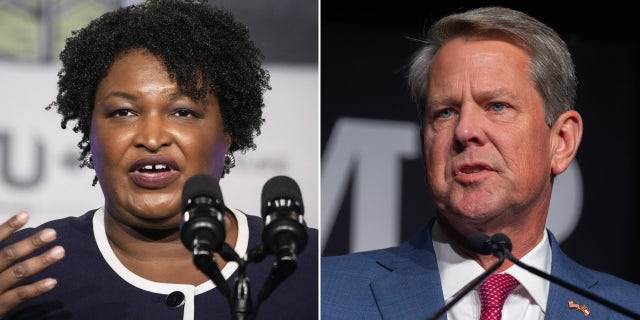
<point>579,307</point>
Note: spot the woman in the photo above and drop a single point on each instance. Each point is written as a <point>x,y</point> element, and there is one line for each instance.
<point>160,92</point>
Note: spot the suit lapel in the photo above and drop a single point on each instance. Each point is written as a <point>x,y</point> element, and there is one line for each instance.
<point>408,291</point>
<point>412,290</point>
<point>564,303</point>
<point>408,296</point>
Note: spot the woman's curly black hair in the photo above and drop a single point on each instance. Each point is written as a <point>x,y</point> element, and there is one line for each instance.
<point>203,49</point>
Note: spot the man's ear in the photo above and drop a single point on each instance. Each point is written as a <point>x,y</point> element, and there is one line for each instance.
<point>566,136</point>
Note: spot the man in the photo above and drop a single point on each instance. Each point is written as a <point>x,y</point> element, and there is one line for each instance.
<point>495,90</point>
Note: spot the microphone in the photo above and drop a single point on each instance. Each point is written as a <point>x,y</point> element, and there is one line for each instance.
<point>202,229</point>
<point>503,243</point>
<point>285,232</point>
<point>482,244</point>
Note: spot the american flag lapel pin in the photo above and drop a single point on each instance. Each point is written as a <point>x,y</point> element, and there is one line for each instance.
<point>580,307</point>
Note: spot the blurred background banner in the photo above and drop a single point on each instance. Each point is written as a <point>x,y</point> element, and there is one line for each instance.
<point>38,159</point>
<point>373,190</point>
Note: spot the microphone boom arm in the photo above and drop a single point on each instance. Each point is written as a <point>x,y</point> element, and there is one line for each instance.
<point>207,264</point>
<point>572,287</point>
<point>470,286</point>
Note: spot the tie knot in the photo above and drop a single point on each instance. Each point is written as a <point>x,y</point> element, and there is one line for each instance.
<point>493,292</point>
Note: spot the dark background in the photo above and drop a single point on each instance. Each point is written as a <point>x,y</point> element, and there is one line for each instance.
<point>364,50</point>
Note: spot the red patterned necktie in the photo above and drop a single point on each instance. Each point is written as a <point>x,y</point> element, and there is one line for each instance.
<point>493,292</point>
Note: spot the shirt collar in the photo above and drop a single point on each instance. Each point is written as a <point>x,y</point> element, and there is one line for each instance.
<point>457,271</point>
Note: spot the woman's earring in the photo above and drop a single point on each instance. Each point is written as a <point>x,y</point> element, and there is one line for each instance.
<point>87,161</point>
<point>229,162</point>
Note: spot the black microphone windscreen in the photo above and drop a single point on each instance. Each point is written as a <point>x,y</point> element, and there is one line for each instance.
<point>479,243</point>
<point>201,185</point>
<point>501,238</point>
<point>280,187</point>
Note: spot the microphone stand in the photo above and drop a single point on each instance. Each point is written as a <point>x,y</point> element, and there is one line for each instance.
<point>241,294</point>
<point>256,255</point>
<point>202,230</point>
<point>240,299</point>
<point>205,261</point>
<point>469,286</point>
<point>572,287</point>
<point>240,302</point>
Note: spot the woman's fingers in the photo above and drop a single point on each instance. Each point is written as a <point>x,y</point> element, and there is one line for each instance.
<point>14,252</point>
<point>10,299</point>
<point>14,268</point>
<point>12,225</point>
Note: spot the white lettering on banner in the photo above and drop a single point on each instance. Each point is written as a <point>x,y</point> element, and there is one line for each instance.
<point>7,164</point>
<point>370,151</point>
